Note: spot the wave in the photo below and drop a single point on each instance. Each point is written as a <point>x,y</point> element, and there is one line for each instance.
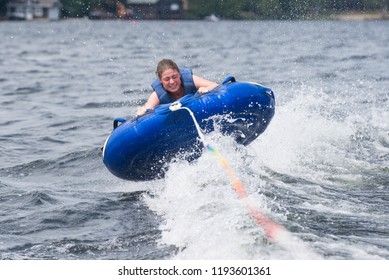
<point>73,160</point>
<point>59,224</point>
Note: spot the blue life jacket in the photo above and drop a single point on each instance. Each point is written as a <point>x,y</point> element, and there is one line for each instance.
<point>186,80</point>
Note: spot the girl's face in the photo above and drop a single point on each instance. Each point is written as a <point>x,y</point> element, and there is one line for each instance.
<point>171,80</point>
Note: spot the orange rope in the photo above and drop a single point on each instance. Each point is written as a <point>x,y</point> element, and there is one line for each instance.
<point>271,228</point>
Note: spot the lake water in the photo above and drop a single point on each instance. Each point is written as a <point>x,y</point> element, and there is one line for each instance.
<point>321,169</point>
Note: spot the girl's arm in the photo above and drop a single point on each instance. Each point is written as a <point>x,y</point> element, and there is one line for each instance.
<point>203,85</point>
<point>150,104</point>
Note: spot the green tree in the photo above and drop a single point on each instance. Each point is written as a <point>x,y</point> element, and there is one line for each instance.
<point>76,8</point>
<point>264,9</point>
<point>296,9</point>
<point>81,8</point>
<point>376,4</point>
<point>3,7</point>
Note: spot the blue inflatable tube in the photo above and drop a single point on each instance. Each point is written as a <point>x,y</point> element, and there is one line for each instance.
<point>141,149</point>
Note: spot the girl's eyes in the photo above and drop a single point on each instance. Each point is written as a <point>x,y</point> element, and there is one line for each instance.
<point>172,77</point>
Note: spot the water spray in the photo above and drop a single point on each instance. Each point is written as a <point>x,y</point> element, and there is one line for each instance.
<point>273,231</point>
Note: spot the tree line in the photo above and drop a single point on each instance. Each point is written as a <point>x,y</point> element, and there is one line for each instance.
<point>236,9</point>
<point>281,9</point>
<point>245,9</point>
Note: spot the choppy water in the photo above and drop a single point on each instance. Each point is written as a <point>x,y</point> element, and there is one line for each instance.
<point>321,169</point>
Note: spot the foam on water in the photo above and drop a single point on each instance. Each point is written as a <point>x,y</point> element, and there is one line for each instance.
<point>294,171</point>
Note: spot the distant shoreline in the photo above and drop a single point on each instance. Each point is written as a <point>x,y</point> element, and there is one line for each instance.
<point>362,16</point>
<point>346,16</point>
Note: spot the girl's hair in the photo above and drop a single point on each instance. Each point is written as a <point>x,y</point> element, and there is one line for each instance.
<point>166,64</point>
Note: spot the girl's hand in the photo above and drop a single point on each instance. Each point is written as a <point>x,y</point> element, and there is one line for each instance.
<point>203,89</point>
<point>141,111</point>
